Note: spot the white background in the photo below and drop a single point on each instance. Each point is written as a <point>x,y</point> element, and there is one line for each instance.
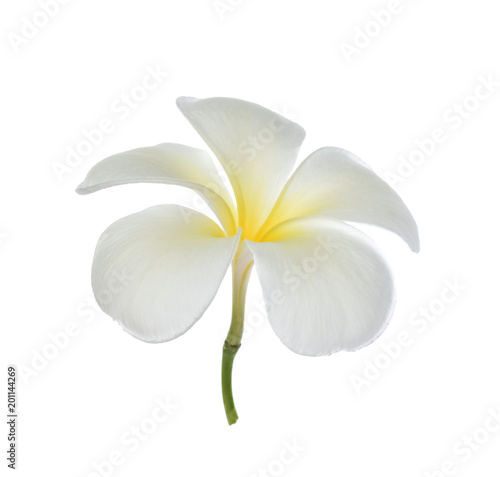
<point>78,402</point>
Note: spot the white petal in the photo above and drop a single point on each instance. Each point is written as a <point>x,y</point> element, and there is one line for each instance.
<point>327,287</point>
<point>334,183</point>
<point>156,271</point>
<point>256,147</point>
<point>169,164</point>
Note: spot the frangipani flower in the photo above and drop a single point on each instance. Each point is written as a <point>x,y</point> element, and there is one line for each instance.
<point>326,285</point>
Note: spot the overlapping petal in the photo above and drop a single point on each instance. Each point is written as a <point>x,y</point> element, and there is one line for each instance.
<point>257,148</point>
<point>169,164</point>
<point>156,271</point>
<point>326,285</point>
<point>333,182</point>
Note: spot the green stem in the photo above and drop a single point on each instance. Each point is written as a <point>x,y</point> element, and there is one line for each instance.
<point>242,267</point>
<point>228,354</point>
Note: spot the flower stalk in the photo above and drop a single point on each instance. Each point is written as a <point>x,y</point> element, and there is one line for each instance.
<point>242,267</point>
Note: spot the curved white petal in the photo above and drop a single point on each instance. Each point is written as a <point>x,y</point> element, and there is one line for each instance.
<point>169,164</point>
<point>333,182</point>
<point>256,147</point>
<point>326,285</point>
<point>156,271</point>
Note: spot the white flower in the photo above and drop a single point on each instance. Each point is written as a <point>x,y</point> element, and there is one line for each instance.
<point>326,285</point>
